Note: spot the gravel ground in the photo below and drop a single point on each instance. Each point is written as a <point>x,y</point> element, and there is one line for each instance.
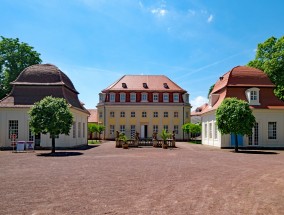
<point>189,179</point>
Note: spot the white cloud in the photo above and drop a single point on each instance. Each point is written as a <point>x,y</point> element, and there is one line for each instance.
<point>198,101</point>
<point>210,18</point>
<point>159,11</point>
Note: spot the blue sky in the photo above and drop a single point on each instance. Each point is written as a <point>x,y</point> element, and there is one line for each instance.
<point>95,42</point>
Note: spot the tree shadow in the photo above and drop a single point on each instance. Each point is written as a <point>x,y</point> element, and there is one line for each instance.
<point>60,154</point>
<point>256,152</point>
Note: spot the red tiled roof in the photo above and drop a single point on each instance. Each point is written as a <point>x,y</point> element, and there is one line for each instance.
<point>144,83</point>
<point>243,76</point>
<point>235,83</point>
<point>93,115</point>
<point>198,111</point>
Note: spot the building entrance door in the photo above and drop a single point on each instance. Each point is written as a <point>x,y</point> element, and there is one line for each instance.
<point>37,139</point>
<point>253,138</point>
<point>144,131</point>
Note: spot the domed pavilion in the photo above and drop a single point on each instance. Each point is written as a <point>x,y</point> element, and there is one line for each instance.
<point>33,84</point>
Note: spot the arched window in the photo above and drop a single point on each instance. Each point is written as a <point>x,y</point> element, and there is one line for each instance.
<point>252,95</point>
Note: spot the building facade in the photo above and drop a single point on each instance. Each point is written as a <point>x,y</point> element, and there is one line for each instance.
<point>33,84</point>
<point>143,104</point>
<point>253,86</point>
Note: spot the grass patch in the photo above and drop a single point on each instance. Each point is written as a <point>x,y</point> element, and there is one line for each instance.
<point>94,142</point>
<point>195,141</point>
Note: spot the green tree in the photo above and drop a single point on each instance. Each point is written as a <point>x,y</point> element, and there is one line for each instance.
<point>92,127</point>
<point>100,129</point>
<point>165,135</point>
<point>210,90</point>
<point>191,128</point>
<point>51,115</point>
<point>270,59</point>
<point>15,56</point>
<point>234,116</point>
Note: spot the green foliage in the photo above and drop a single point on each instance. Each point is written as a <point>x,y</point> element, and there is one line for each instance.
<point>210,90</point>
<point>51,115</point>
<point>93,127</point>
<point>234,116</point>
<point>165,135</point>
<point>270,59</point>
<point>122,137</point>
<point>15,56</point>
<point>191,128</point>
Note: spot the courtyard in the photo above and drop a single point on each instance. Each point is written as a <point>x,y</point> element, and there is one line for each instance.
<point>189,179</point>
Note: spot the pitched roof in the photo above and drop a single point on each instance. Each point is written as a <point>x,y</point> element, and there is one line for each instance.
<point>93,118</point>
<point>144,83</point>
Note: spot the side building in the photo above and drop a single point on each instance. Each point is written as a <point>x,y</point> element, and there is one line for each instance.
<point>33,84</point>
<point>253,86</point>
<point>143,104</point>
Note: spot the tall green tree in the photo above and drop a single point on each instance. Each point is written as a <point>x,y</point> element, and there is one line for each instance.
<point>92,127</point>
<point>270,59</point>
<point>234,116</point>
<point>15,56</point>
<point>51,115</point>
<point>191,128</point>
<point>100,129</point>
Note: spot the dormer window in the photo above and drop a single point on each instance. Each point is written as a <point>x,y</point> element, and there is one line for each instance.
<point>252,95</point>
<point>124,85</point>
<point>145,85</point>
<point>144,97</point>
<point>166,86</point>
<point>122,97</point>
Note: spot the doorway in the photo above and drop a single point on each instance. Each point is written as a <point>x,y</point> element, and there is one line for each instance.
<point>240,140</point>
<point>144,131</point>
<point>37,139</point>
<point>253,138</point>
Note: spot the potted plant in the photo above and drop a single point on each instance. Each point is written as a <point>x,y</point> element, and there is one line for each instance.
<point>164,135</point>
<point>123,140</point>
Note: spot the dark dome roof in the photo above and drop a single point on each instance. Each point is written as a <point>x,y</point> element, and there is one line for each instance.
<point>43,74</point>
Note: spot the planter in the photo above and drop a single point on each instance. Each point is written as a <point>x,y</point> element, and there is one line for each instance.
<point>125,145</point>
<point>165,146</point>
<point>155,143</point>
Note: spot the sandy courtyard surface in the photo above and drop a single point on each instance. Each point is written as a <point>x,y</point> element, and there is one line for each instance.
<point>189,179</point>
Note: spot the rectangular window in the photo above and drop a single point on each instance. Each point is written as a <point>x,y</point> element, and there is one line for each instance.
<point>176,97</point>
<point>111,129</point>
<point>132,114</point>
<point>272,131</point>
<point>210,130</point>
<point>176,114</point>
<point>186,114</point>
<point>144,114</point>
<point>253,96</point>
<point>215,131</point>
<point>31,135</point>
<point>133,97</point>
<point>13,128</point>
<point>132,131</point>
<point>84,130</point>
<point>166,127</point>
<point>176,129</point>
<point>122,97</point>
<point>253,138</point>
<point>166,114</point>
<point>122,114</point>
<point>166,97</point>
<point>144,97</point>
<point>122,129</point>
<point>155,114</point>
<point>79,129</point>
<point>155,97</point>
<point>101,114</point>
<point>111,114</point>
<point>205,130</point>
<point>155,129</point>
<point>74,129</point>
<point>112,97</point>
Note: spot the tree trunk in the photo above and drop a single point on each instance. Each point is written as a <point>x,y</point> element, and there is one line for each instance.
<point>236,143</point>
<point>53,144</point>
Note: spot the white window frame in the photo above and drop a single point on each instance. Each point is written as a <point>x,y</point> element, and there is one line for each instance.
<point>166,114</point>
<point>111,129</point>
<point>122,97</point>
<point>215,131</point>
<point>166,97</point>
<point>144,97</point>
<point>111,114</point>
<point>112,97</point>
<point>176,97</point>
<point>144,114</point>
<point>122,114</point>
<point>205,131</point>
<point>122,129</point>
<point>176,129</point>
<point>272,130</point>
<point>155,114</point>
<point>155,97</point>
<point>166,127</point>
<point>132,114</point>
<point>155,128</point>
<point>252,95</point>
<point>210,130</point>
<point>132,97</point>
<point>176,114</point>
<point>13,128</point>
